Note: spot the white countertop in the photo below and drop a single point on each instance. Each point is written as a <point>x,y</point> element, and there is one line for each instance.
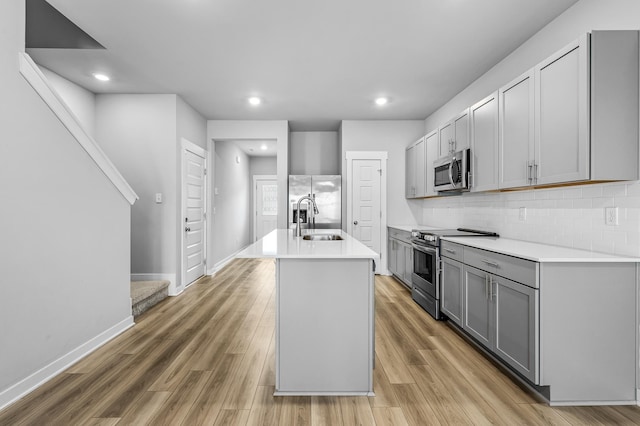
<point>538,252</point>
<point>281,243</point>
<point>410,228</point>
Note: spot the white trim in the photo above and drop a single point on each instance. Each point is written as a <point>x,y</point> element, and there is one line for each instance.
<point>314,393</point>
<point>173,290</point>
<point>48,372</point>
<point>254,209</point>
<point>187,145</point>
<point>638,397</point>
<point>370,155</point>
<point>38,81</point>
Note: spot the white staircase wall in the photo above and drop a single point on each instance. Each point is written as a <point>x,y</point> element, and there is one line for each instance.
<point>65,225</point>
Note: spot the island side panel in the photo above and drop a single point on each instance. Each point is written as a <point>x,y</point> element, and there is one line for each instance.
<point>588,332</point>
<point>324,330</point>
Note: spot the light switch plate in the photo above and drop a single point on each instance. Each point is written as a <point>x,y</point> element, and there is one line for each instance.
<point>611,216</point>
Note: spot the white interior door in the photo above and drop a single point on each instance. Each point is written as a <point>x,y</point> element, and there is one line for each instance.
<point>366,201</point>
<point>265,205</point>
<point>193,250</point>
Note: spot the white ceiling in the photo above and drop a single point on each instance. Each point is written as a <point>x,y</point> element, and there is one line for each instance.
<point>313,62</point>
<point>257,147</point>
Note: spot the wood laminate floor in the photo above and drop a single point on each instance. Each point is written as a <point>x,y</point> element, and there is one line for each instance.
<point>207,357</point>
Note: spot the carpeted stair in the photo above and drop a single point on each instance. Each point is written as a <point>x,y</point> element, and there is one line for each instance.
<point>146,294</point>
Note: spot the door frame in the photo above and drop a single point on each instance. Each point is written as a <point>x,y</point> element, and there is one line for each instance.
<point>370,155</point>
<point>254,201</point>
<point>187,145</point>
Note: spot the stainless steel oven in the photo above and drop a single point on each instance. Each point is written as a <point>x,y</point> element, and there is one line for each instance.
<point>427,266</point>
<point>425,278</point>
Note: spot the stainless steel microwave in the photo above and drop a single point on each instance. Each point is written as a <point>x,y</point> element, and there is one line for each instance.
<point>452,173</point>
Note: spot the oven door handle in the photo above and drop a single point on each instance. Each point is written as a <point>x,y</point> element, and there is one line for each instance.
<point>424,249</point>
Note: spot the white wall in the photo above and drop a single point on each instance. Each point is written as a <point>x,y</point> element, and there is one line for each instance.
<point>81,101</point>
<point>138,133</point>
<point>232,221</point>
<point>314,153</point>
<point>573,216</point>
<point>225,130</point>
<point>64,250</point>
<point>263,166</point>
<point>392,136</point>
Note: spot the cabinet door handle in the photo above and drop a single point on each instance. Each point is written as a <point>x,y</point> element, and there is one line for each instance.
<point>486,286</point>
<point>535,173</point>
<point>492,292</point>
<point>490,263</point>
<point>448,250</point>
<point>529,166</point>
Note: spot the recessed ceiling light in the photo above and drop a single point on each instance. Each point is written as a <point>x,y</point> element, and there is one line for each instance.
<point>255,101</point>
<point>263,147</point>
<point>101,77</point>
<point>382,101</point>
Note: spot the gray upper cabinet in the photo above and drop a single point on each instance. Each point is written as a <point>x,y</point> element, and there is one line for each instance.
<point>484,144</point>
<point>562,116</point>
<point>516,135</point>
<point>410,172</point>
<point>454,135</point>
<point>416,178</point>
<point>431,146</point>
<point>574,117</point>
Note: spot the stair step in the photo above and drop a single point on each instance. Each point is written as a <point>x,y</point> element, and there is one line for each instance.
<point>146,294</point>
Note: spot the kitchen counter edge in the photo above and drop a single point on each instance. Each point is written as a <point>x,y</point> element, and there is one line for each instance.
<point>539,252</point>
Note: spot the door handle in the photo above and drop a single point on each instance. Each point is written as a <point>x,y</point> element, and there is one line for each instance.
<point>355,222</point>
<point>187,229</point>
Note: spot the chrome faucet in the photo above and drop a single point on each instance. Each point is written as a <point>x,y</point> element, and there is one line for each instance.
<point>315,211</point>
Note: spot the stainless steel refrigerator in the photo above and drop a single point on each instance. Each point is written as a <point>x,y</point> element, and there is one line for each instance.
<point>326,191</point>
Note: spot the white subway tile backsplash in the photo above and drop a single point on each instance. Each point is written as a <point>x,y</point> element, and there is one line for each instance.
<point>571,217</point>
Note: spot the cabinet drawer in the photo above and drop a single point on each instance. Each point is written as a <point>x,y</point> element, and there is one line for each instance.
<point>401,235</point>
<point>451,250</point>
<point>513,268</point>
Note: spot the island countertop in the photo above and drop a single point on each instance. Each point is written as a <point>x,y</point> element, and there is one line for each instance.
<point>281,243</point>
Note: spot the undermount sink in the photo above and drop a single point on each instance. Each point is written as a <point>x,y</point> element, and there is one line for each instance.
<point>322,237</point>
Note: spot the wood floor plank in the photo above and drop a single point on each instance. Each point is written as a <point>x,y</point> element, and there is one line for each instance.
<point>356,410</point>
<point>415,407</point>
<point>177,406</point>
<point>384,395</point>
<point>173,368</point>
<point>392,362</point>
<point>145,408</point>
<point>230,418</point>
<point>265,409</point>
<point>296,411</point>
<point>207,407</point>
<point>325,411</point>
<point>389,416</point>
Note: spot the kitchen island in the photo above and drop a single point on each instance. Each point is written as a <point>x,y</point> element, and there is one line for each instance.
<point>324,313</point>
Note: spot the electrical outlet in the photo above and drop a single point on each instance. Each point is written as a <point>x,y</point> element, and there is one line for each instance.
<point>159,198</point>
<point>522,214</point>
<point>611,216</point>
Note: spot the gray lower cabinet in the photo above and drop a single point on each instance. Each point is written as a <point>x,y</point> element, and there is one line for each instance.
<point>550,321</point>
<point>451,296</point>
<point>501,314</point>
<point>478,318</point>
<point>516,325</point>
<point>400,251</point>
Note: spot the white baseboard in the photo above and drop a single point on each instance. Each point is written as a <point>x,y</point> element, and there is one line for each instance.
<point>638,397</point>
<point>173,290</point>
<point>47,372</point>
<point>221,264</point>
